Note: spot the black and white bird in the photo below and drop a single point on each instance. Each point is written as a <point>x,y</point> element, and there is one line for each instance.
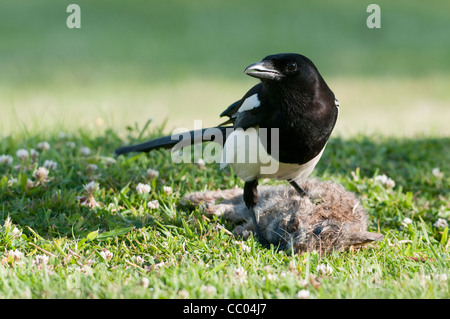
<point>292,103</point>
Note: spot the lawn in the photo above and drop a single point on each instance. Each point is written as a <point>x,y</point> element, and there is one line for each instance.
<point>82,229</point>
<point>56,246</point>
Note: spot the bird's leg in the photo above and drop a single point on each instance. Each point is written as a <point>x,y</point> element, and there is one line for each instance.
<point>299,190</point>
<point>250,200</point>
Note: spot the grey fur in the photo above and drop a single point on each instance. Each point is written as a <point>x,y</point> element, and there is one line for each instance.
<point>333,220</point>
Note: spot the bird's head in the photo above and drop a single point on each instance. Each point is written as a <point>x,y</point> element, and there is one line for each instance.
<point>295,86</point>
<point>284,68</point>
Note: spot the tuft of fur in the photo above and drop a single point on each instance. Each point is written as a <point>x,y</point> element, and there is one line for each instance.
<point>332,219</point>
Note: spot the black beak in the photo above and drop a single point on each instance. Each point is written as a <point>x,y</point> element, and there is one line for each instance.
<point>263,70</point>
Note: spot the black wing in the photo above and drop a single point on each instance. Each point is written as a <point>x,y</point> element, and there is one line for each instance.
<point>248,118</point>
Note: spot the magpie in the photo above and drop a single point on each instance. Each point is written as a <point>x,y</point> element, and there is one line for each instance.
<point>292,105</point>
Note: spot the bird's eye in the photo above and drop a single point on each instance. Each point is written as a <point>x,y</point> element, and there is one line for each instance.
<point>292,66</point>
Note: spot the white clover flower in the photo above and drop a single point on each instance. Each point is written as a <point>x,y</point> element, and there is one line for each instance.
<point>16,232</point>
<point>72,145</point>
<point>22,154</point>
<point>6,159</point>
<point>12,181</point>
<point>145,282</point>
<point>40,261</point>
<point>41,174</point>
<point>154,204</point>
<point>324,269</point>
<point>88,200</point>
<point>406,222</point>
<point>17,255</point>
<point>201,163</point>
<point>389,183</point>
<point>385,181</point>
<point>86,151</point>
<point>51,165</point>
<point>270,277</point>
<point>303,294</point>
<point>106,254</point>
<point>167,189</point>
<point>91,187</point>
<point>43,146</point>
<point>437,172</point>
<point>209,290</point>
<point>109,161</point>
<point>8,222</point>
<point>380,178</point>
<point>139,260</point>
<point>91,168</point>
<point>442,277</point>
<point>143,188</point>
<point>152,173</point>
<point>34,155</point>
<point>183,294</point>
<point>30,183</point>
<point>243,246</point>
<point>240,274</point>
<point>441,223</point>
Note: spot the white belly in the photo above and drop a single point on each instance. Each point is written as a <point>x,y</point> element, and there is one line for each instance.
<point>244,152</point>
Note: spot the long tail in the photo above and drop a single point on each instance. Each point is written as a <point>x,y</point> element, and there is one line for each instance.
<point>192,137</point>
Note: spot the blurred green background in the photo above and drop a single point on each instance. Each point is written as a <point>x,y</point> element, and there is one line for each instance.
<point>180,60</point>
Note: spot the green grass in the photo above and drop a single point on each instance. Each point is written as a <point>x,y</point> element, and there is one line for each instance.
<point>156,41</point>
<point>136,60</point>
<point>387,106</point>
<point>182,254</point>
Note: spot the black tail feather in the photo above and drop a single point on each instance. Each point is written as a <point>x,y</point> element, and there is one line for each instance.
<point>166,142</point>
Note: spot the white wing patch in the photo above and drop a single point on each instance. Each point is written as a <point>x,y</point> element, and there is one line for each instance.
<point>336,102</point>
<point>250,103</point>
